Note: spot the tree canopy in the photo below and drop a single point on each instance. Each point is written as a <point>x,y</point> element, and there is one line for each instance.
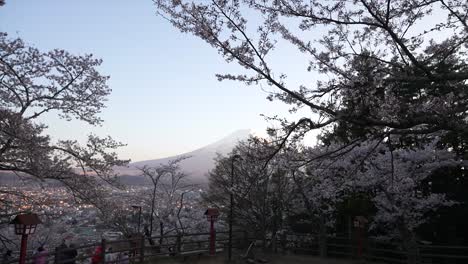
<point>386,67</point>
<point>33,83</point>
<point>385,82</point>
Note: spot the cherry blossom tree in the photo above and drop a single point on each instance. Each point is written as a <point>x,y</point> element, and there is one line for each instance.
<point>382,67</point>
<point>172,199</point>
<point>397,182</point>
<point>318,189</point>
<point>160,176</point>
<point>382,74</point>
<point>261,194</point>
<point>33,83</point>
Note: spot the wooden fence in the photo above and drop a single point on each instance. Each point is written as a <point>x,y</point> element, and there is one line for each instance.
<point>375,251</point>
<point>139,249</point>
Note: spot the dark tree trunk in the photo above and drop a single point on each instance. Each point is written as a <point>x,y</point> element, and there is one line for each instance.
<point>322,237</point>
<point>161,232</point>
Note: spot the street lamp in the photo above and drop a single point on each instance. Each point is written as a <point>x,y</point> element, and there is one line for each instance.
<point>359,224</point>
<point>231,209</point>
<point>25,224</point>
<point>212,215</point>
<point>139,215</point>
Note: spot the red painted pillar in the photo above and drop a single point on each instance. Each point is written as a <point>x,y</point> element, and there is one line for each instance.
<point>24,246</point>
<point>212,238</point>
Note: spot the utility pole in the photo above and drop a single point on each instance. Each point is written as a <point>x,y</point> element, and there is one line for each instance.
<point>231,209</point>
<point>152,210</point>
<point>139,216</point>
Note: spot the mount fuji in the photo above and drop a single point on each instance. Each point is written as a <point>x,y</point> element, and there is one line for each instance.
<point>201,160</point>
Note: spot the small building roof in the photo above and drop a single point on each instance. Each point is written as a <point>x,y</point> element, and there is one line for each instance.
<point>26,219</point>
<point>212,211</point>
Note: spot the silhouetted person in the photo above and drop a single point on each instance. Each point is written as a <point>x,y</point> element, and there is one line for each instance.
<point>40,257</point>
<point>7,256</point>
<point>123,258</point>
<point>111,257</point>
<point>71,254</point>
<point>171,252</point>
<point>60,253</point>
<point>97,256</point>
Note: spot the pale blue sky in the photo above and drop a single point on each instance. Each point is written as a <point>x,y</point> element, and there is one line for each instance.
<point>166,99</point>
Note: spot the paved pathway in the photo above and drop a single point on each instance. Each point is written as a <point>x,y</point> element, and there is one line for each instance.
<point>272,259</point>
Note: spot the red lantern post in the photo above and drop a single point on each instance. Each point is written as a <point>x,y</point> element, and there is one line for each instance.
<point>212,215</point>
<point>25,225</point>
<point>360,223</point>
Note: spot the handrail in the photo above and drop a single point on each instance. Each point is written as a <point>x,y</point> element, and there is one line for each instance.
<point>138,248</point>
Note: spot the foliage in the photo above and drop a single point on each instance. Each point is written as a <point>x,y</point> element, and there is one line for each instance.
<point>261,194</point>
<point>34,83</point>
<point>387,86</point>
<point>172,200</point>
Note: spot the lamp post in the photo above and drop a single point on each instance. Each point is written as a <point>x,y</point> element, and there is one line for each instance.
<point>212,215</point>
<point>359,224</point>
<point>231,209</point>
<point>139,216</point>
<point>25,224</point>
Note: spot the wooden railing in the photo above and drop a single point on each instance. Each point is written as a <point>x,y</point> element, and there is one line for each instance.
<point>140,249</point>
<point>375,251</point>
